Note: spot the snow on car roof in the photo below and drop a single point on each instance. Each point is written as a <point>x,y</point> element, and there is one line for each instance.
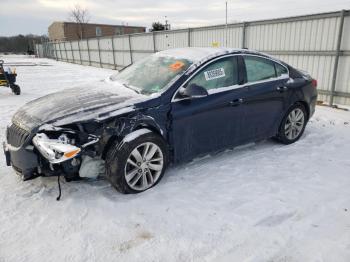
<point>199,55</point>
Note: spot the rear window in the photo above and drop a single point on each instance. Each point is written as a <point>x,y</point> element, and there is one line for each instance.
<point>259,68</point>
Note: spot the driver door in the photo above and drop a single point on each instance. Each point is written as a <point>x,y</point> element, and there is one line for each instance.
<point>210,123</point>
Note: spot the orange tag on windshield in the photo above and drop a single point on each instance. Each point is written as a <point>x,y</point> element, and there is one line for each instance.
<point>176,66</point>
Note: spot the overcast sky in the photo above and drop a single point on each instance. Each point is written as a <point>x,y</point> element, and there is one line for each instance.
<point>34,16</point>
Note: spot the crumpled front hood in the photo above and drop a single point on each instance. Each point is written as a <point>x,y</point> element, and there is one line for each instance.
<point>77,104</point>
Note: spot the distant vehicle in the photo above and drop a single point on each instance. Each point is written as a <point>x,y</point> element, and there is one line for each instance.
<point>8,79</point>
<point>166,108</point>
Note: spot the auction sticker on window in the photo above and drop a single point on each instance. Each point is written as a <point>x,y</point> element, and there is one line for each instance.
<point>176,66</point>
<point>214,74</point>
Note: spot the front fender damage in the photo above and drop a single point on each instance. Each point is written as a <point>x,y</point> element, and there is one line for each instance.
<point>93,138</point>
<point>51,143</point>
<point>116,130</point>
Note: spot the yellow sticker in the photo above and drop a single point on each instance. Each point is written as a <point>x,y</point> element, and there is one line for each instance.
<point>176,66</point>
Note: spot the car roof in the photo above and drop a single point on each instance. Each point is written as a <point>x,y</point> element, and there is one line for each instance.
<point>197,54</point>
<point>200,55</point>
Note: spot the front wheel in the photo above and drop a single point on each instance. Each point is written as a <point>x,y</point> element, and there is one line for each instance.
<point>137,163</point>
<point>293,124</point>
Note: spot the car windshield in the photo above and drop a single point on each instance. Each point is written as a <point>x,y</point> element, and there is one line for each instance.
<point>152,74</point>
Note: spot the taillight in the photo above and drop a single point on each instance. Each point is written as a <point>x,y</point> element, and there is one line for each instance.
<point>314,83</point>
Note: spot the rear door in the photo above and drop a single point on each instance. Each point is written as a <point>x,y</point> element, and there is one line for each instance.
<point>265,99</point>
<point>210,123</point>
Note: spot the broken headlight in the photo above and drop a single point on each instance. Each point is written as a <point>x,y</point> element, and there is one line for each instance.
<point>55,150</point>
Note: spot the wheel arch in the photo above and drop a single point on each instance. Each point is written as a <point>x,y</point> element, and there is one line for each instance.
<point>305,105</point>
<point>300,102</point>
<point>117,138</point>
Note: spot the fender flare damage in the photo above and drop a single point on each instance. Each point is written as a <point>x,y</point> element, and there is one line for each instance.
<point>116,130</point>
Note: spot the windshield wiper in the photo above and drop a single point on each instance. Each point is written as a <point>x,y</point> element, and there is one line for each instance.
<point>132,88</point>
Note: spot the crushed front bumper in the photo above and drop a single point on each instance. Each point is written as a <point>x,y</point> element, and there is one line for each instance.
<point>23,160</point>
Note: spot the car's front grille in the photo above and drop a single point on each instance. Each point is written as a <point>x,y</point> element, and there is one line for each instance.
<point>16,136</point>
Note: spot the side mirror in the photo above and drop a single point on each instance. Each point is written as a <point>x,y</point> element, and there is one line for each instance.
<point>195,91</point>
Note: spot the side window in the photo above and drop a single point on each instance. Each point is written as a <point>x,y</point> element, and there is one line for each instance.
<point>221,73</point>
<point>280,70</point>
<point>259,68</point>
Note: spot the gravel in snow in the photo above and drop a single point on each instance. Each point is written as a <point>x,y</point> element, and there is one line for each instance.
<point>260,202</point>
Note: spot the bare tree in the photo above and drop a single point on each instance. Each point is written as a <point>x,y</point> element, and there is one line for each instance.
<point>157,26</point>
<point>20,43</point>
<point>80,16</point>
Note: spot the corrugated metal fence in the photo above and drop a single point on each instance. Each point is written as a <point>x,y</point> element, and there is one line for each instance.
<point>319,44</point>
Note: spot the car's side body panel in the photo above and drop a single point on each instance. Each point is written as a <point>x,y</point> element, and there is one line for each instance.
<point>206,124</point>
<point>263,107</point>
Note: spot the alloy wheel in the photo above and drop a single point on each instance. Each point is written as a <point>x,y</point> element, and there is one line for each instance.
<point>144,166</point>
<point>294,124</point>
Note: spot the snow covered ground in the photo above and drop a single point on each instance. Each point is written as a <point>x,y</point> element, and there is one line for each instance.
<point>262,202</point>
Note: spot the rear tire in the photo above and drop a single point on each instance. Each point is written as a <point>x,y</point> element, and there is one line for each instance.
<point>130,174</point>
<point>16,89</point>
<point>293,125</point>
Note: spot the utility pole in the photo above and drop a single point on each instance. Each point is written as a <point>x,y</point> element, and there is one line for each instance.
<point>226,27</point>
<point>34,47</point>
<point>167,26</point>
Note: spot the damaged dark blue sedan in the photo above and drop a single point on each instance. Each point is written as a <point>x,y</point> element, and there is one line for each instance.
<point>166,108</point>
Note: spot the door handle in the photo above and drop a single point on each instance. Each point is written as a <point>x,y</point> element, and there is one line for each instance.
<point>236,102</point>
<point>282,88</point>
